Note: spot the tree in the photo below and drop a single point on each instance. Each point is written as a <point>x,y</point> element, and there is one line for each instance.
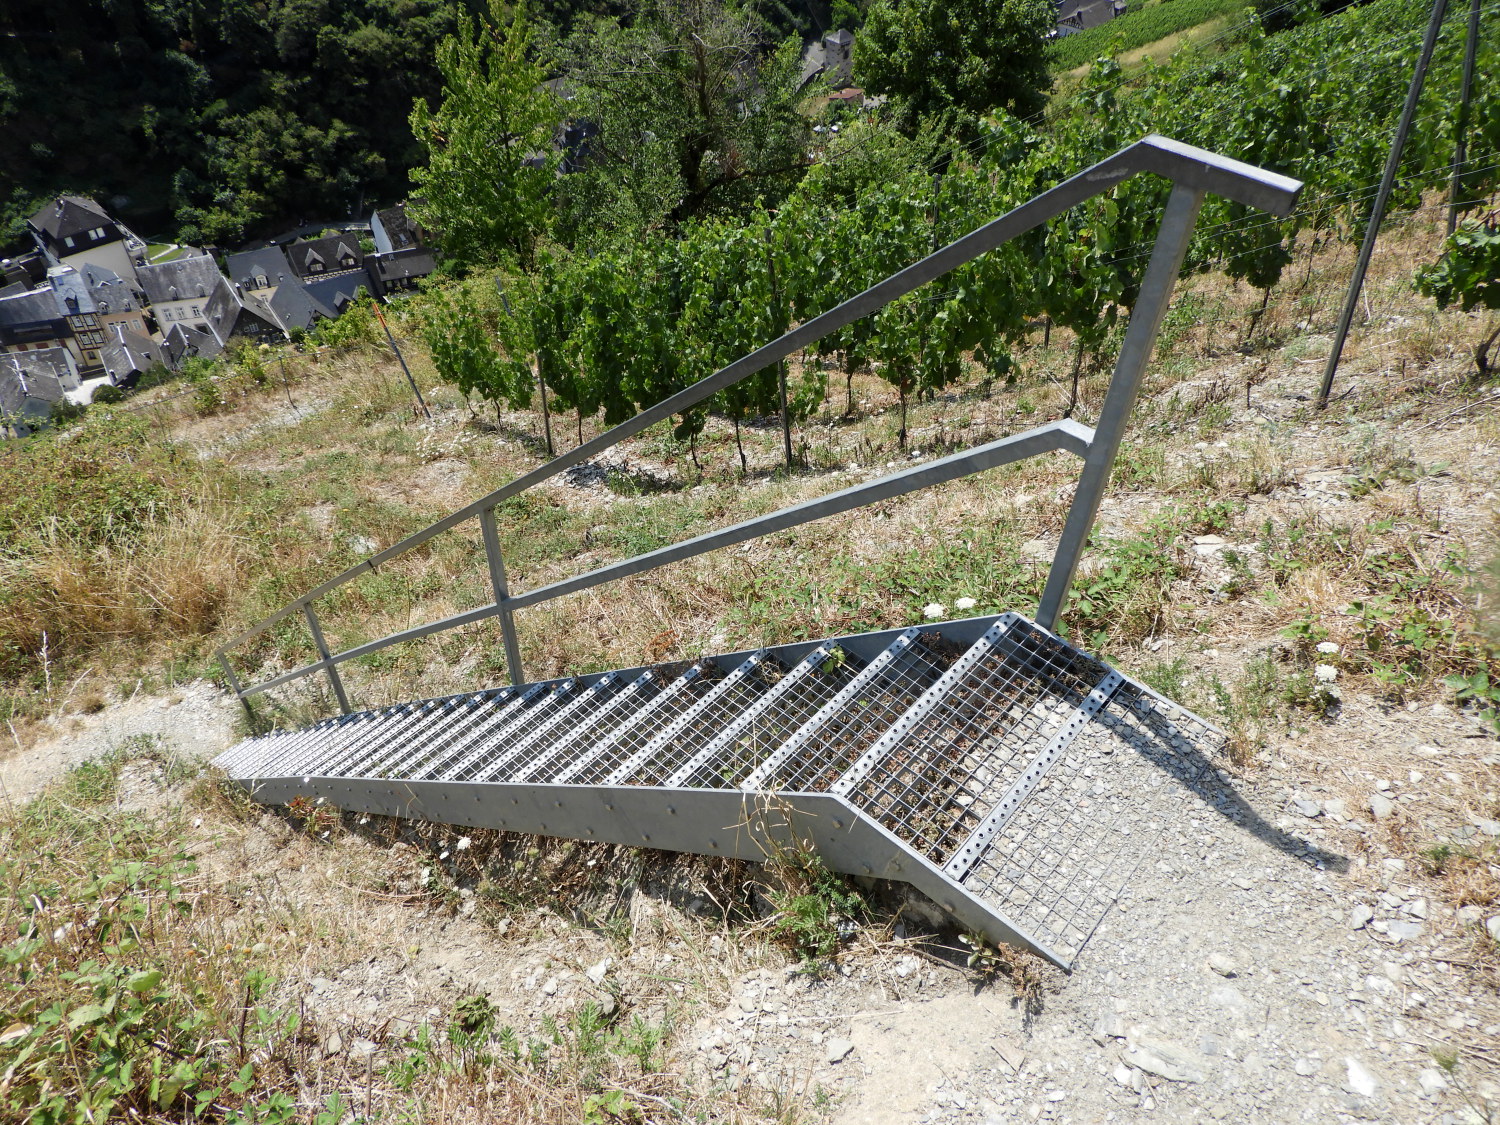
<point>969,56</point>
<point>490,156</point>
<point>696,115</point>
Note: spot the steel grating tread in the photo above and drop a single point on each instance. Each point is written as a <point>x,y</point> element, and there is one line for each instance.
<point>985,763</point>
<point>595,763</point>
<point>695,726</point>
<point>594,729</point>
<point>761,728</point>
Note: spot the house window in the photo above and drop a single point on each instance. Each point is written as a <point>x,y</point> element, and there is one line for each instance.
<point>166,314</point>
<point>97,232</point>
<point>68,241</point>
<point>196,312</point>
<point>316,267</point>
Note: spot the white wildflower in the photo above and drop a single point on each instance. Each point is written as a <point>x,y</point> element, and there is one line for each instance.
<point>319,801</point>
<point>364,820</point>
<point>444,855</point>
<point>964,603</point>
<point>933,610</point>
<point>426,876</point>
<point>463,844</point>
<point>1326,673</point>
<point>1328,648</point>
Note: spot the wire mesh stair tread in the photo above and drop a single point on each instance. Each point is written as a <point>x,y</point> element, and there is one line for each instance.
<point>983,771</point>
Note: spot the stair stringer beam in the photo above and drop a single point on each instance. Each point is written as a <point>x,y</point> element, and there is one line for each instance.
<point>733,824</point>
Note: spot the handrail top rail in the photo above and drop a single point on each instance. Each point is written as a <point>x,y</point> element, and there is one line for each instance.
<point>1183,164</point>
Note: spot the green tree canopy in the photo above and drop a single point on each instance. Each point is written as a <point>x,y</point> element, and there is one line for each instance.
<point>696,115</point>
<point>972,56</point>
<point>490,152</point>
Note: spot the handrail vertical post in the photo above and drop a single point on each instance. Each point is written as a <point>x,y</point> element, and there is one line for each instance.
<point>502,595</point>
<point>1140,337</point>
<point>235,686</point>
<point>328,665</point>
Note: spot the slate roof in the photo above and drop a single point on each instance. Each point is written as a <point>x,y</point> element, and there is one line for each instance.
<point>37,306</point>
<point>228,306</point>
<point>401,264</point>
<point>70,214</point>
<point>183,341</point>
<point>269,262</point>
<point>401,231</point>
<point>109,290</point>
<point>70,291</point>
<point>27,387</point>
<point>332,293</point>
<point>129,354</point>
<point>330,252</point>
<point>179,280</point>
<point>295,307</point>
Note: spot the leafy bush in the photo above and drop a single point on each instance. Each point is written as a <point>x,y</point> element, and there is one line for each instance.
<point>1468,274</point>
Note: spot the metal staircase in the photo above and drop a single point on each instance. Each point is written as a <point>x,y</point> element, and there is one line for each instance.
<point>1011,777</point>
<point>915,755</point>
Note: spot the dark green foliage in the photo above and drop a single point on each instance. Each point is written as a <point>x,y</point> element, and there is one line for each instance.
<point>223,117</point>
<point>968,56</point>
<point>697,115</point>
<point>490,158</point>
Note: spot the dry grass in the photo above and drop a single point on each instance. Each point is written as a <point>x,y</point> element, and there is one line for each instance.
<point>151,983</point>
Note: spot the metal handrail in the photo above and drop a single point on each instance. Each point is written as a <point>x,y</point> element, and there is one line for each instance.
<point>1193,171</point>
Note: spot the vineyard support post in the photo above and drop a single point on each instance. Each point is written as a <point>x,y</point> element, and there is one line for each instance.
<point>781,322</point>
<point>1387,180</point>
<point>502,595</point>
<point>1461,148</point>
<point>1145,320</point>
<point>328,665</point>
<point>402,359</point>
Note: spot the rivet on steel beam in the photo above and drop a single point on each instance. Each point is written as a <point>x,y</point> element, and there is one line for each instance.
<point>671,811</point>
<point>647,838</point>
<point>837,823</point>
<point>713,844</point>
<point>868,869</point>
<point>557,803</point>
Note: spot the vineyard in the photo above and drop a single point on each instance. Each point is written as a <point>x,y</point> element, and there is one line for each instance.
<point>621,328</point>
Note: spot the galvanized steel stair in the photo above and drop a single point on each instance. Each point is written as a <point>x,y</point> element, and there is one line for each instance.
<point>965,758</point>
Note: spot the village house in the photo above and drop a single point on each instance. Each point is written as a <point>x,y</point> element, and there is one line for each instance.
<point>392,229</point>
<point>61,313</point>
<point>129,355</point>
<point>115,303</point>
<point>179,290</point>
<point>336,253</point>
<point>255,270</point>
<point>32,384</point>
<point>183,342</point>
<point>73,230</point>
